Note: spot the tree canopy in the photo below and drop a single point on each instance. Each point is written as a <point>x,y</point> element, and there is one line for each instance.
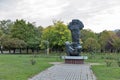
<point>22,34</point>
<point>56,35</point>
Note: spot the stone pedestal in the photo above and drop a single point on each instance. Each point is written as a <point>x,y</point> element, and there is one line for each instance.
<point>74,59</point>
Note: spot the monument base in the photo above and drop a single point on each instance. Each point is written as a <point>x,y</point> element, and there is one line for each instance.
<point>74,59</point>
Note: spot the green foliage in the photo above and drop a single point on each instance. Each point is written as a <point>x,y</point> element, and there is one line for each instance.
<point>32,61</point>
<point>118,62</point>
<point>56,34</point>
<point>5,26</point>
<point>115,41</point>
<point>118,33</point>
<point>20,30</point>
<point>90,40</point>
<point>91,44</point>
<point>103,39</point>
<point>108,62</point>
<point>109,40</point>
<point>9,43</point>
<point>1,33</point>
<point>87,33</point>
<point>26,32</point>
<point>61,34</point>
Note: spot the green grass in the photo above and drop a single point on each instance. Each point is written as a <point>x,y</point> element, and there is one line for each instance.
<point>19,67</point>
<point>106,73</point>
<point>103,72</point>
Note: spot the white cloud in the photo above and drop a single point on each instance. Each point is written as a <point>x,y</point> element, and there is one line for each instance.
<point>107,19</point>
<point>96,15</point>
<point>36,8</point>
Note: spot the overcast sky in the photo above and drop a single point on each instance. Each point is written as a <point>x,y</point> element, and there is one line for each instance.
<point>97,15</point>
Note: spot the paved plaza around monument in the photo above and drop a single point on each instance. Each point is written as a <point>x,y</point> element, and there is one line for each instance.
<point>66,72</point>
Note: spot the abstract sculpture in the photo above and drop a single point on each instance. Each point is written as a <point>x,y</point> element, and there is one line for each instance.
<point>74,48</point>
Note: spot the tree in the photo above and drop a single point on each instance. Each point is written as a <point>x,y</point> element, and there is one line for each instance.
<point>1,46</point>
<point>117,40</point>
<point>5,26</point>
<point>26,32</point>
<point>87,33</point>
<point>56,35</point>
<point>91,45</point>
<point>12,43</point>
<point>118,33</point>
<point>88,37</point>
<point>108,41</point>
<point>16,44</point>
<point>19,30</point>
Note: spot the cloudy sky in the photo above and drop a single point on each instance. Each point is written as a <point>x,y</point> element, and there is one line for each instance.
<point>97,15</point>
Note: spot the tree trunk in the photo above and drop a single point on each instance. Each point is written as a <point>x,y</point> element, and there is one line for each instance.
<point>37,50</point>
<point>32,50</point>
<point>9,51</point>
<point>20,50</point>
<point>27,50</point>
<point>1,51</point>
<point>14,50</point>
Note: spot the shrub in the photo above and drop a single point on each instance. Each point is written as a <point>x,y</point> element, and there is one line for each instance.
<point>32,61</point>
<point>108,63</point>
<point>118,62</point>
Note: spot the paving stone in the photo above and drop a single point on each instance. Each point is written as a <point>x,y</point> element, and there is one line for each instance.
<point>66,72</point>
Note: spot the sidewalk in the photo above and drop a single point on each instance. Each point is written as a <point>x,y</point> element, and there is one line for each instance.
<point>66,72</point>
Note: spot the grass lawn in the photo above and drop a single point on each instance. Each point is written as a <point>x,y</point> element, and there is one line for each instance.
<point>103,72</point>
<point>19,67</point>
<point>106,73</point>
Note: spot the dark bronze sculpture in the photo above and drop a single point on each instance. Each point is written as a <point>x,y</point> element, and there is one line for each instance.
<point>74,48</point>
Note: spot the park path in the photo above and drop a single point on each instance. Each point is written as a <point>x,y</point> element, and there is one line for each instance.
<point>66,72</point>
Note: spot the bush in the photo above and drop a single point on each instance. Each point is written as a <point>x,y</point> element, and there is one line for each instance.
<point>108,63</point>
<point>32,61</point>
<point>118,62</point>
